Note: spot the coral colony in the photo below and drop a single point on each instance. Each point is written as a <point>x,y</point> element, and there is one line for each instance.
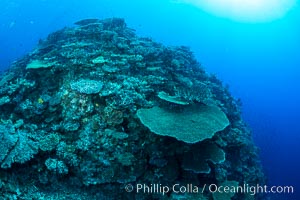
<point>95,107</point>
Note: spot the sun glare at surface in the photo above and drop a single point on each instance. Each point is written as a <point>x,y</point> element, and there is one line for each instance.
<point>245,10</point>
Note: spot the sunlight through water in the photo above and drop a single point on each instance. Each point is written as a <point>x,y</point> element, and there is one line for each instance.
<point>245,10</point>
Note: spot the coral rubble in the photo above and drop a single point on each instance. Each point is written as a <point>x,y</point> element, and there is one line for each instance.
<point>95,107</point>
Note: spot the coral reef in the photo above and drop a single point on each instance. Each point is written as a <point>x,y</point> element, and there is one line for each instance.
<point>94,107</point>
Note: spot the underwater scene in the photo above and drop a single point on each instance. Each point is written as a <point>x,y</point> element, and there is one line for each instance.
<point>149,99</point>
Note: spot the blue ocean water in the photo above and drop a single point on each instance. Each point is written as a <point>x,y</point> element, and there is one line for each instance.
<point>259,61</point>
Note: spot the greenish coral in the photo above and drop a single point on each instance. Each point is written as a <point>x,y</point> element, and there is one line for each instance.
<point>172,99</point>
<point>190,124</point>
<point>99,60</point>
<point>36,64</point>
<point>16,147</point>
<point>116,134</point>
<point>86,86</point>
<point>56,166</point>
<point>4,100</point>
<point>199,92</point>
<point>125,159</point>
<point>49,142</point>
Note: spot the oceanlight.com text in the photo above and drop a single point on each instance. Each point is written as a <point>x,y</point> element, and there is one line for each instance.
<point>211,188</point>
<point>252,190</point>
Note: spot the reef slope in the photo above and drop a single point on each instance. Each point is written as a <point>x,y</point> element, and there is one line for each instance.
<point>95,107</point>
